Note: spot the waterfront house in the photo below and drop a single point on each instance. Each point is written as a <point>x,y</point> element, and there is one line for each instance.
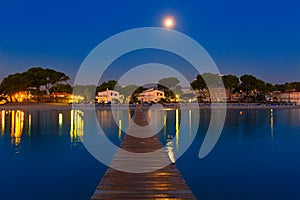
<point>290,96</point>
<point>108,96</point>
<point>151,95</point>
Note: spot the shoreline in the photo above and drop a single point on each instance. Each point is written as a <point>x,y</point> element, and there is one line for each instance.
<point>63,107</point>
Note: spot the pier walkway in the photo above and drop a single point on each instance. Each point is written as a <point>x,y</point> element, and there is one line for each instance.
<point>165,183</point>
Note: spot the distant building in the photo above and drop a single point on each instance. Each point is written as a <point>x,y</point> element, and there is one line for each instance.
<point>288,97</point>
<point>212,95</point>
<point>108,96</point>
<point>21,96</point>
<point>236,97</point>
<point>151,95</point>
<point>64,97</point>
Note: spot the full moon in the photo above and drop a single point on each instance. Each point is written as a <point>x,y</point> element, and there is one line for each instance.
<point>169,22</point>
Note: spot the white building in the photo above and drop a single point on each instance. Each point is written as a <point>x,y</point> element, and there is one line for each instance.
<point>289,96</point>
<point>108,96</point>
<point>151,95</point>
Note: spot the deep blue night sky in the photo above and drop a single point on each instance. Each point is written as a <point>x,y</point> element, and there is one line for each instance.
<point>256,37</point>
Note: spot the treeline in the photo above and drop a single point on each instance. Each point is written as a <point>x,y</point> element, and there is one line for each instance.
<point>251,89</point>
<point>37,81</point>
<point>246,83</point>
<point>40,82</point>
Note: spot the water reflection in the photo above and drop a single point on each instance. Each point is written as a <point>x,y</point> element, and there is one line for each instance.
<point>170,151</point>
<point>60,119</point>
<point>190,124</point>
<point>272,123</point>
<point>165,125</point>
<point>2,122</point>
<point>29,124</point>
<point>17,125</point>
<point>120,130</point>
<point>76,126</point>
<point>177,129</point>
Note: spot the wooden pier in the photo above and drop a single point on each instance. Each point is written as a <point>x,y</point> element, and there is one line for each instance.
<point>165,183</point>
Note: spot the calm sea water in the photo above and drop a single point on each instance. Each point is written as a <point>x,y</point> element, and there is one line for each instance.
<point>257,156</point>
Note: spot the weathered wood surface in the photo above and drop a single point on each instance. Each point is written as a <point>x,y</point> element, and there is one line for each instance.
<point>165,183</point>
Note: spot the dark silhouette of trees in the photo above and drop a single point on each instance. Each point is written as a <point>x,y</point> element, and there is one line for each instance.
<point>170,86</point>
<point>231,82</point>
<point>37,80</point>
<point>110,85</point>
<point>61,88</point>
<point>288,86</point>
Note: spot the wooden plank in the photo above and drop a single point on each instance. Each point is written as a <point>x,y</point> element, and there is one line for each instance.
<point>165,183</point>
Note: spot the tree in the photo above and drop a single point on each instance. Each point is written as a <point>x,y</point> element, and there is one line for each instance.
<point>37,79</point>
<point>61,88</point>
<point>260,85</point>
<point>288,86</point>
<point>110,85</point>
<point>53,78</point>
<point>198,83</point>
<point>136,92</point>
<point>255,88</point>
<point>13,83</point>
<point>230,82</point>
<point>248,85</point>
<point>206,80</point>
<point>212,80</point>
<point>170,86</point>
<point>128,90</point>
<point>168,93</point>
<point>86,91</point>
<point>269,87</point>
<point>248,82</point>
<point>170,83</point>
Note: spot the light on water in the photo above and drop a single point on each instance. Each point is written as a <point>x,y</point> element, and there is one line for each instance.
<point>120,129</point>
<point>177,129</point>
<point>272,123</point>
<point>60,119</point>
<point>170,151</point>
<point>76,125</point>
<point>2,121</point>
<point>29,124</point>
<point>255,146</point>
<point>17,125</point>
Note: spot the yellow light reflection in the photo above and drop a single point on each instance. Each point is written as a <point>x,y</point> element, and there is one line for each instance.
<point>177,129</point>
<point>129,117</point>
<point>165,125</point>
<point>272,123</point>
<point>190,123</point>
<point>241,112</point>
<point>60,123</point>
<point>12,131</point>
<point>2,122</point>
<point>17,125</point>
<point>29,125</point>
<point>103,117</point>
<point>120,129</point>
<point>77,126</point>
<point>60,119</point>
